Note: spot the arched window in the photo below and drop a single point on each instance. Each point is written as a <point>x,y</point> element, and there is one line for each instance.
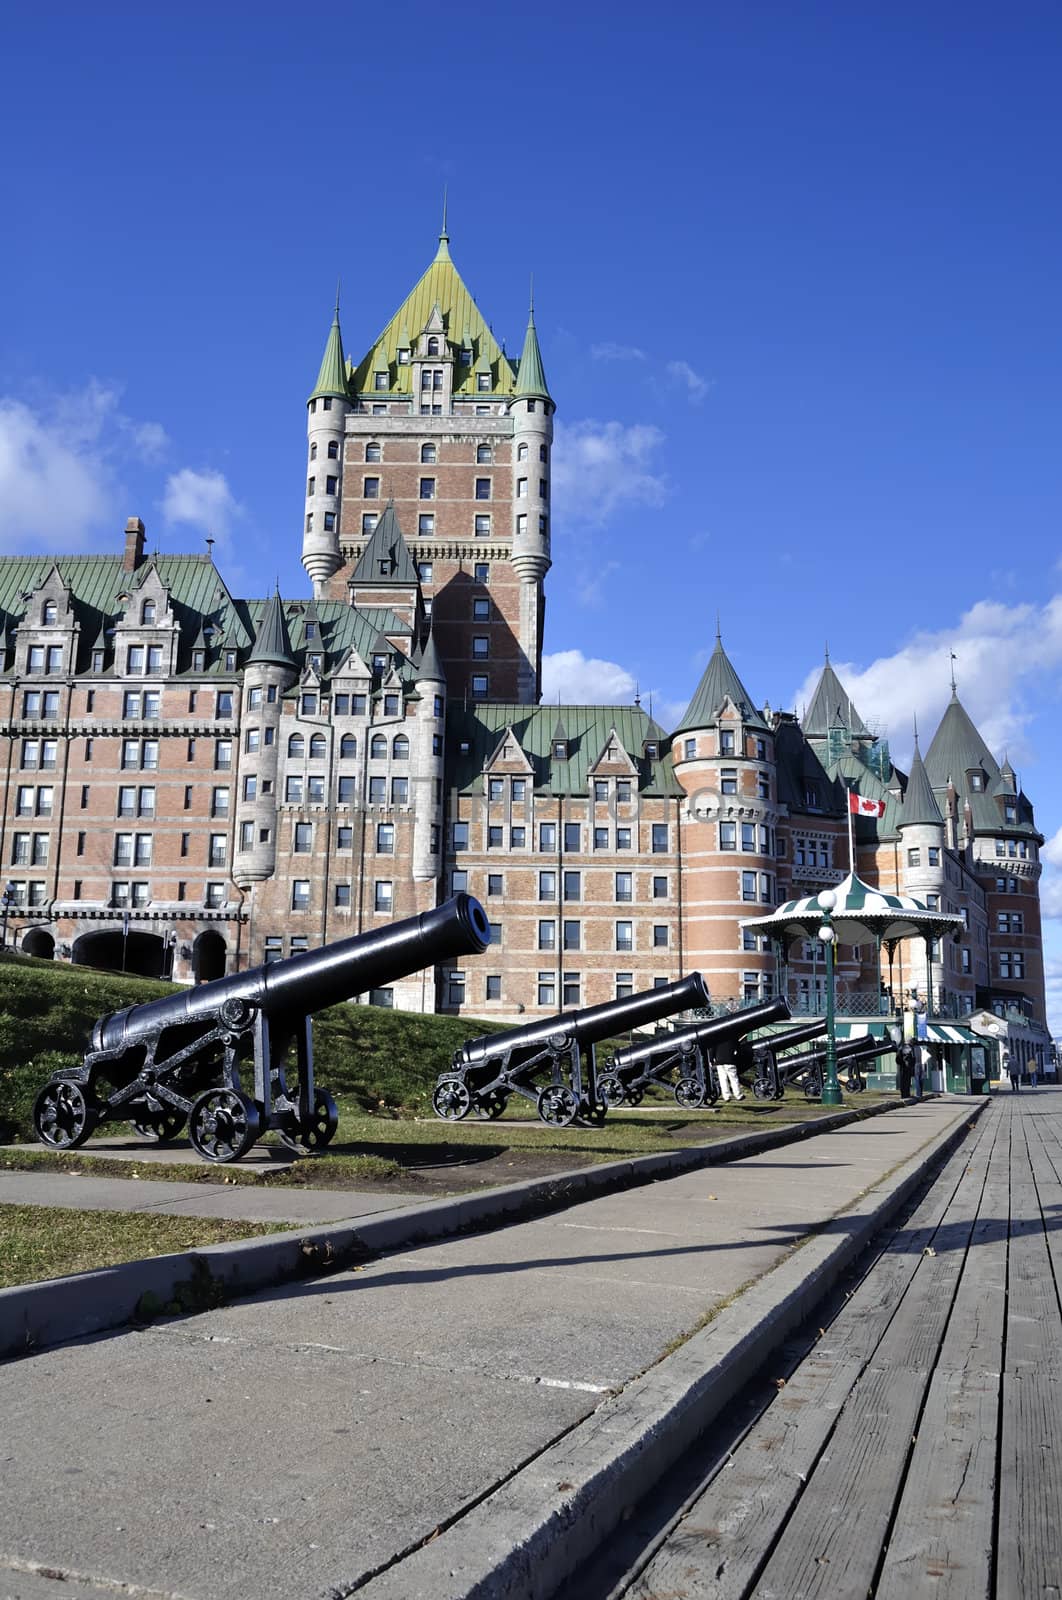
<point>50,612</point>
<point>400,748</point>
<point>484,452</point>
<point>348,747</point>
<point>433,347</point>
<point>148,614</point>
<point>317,747</point>
<point>297,746</point>
<point>373,451</point>
<point>427,453</point>
<point>378,748</point>
<point>521,452</point>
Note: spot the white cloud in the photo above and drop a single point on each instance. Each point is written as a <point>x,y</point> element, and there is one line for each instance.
<point>601,467</point>
<point>682,373</point>
<point>575,679</point>
<point>60,464</point>
<point>616,352</point>
<point>202,499</point>
<point>1002,652</point>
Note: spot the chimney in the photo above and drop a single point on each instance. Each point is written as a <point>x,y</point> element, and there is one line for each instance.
<point>134,545</point>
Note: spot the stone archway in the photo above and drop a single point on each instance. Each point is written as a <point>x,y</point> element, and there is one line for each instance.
<point>208,957</point>
<point>140,954</point>
<point>38,942</point>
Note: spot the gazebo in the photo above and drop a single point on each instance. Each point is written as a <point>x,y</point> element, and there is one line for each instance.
<point>854,911</point>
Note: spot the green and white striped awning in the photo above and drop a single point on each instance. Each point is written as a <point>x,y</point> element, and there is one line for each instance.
<point>860,914</point>
<point>950,1033</point>
<point>860,1030</point>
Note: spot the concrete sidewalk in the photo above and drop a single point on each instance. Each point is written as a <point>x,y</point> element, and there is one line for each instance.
<point>240,1202</point>
<point>313,1438</point>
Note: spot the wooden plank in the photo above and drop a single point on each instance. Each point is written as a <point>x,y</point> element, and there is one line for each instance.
<point>1034,1321</point>
<point>1029,1560</point>
<point>831,1544</point>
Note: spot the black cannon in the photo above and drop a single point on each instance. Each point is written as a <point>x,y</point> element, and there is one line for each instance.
<point>180,1058</point>
<point>681,1060</point>
<point>485,1072</point>
<point>759,1057</point>
<point>806,1067</point>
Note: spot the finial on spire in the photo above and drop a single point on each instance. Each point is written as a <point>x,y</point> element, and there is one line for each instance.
<point>827,652</point>
<point>531,299</point>
<point>915,720</point>
<point>954,658</point>
<point>637,694</point>
<point>718,628</point>
<point>446,190</point>
<point>338,283</point>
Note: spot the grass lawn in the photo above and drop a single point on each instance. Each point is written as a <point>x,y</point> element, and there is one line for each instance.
<point>50,1241</point>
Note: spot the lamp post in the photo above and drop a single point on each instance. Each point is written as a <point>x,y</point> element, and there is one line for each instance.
<point>7,900</point>
<point>831,1089</point>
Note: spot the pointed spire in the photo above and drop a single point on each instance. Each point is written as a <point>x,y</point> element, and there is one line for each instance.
<point>332,378</point>
<point>719,683</point>
<point>272,644</point>
<point>443,252</point>
<point>531,375</point>
<point>430,667</point>
<point>919,802</point>
<point>954,658</point>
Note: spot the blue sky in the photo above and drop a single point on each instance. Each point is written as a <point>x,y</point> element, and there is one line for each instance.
<point>796,276</point>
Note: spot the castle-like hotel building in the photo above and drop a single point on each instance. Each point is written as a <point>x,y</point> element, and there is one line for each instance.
<point>195,781</point>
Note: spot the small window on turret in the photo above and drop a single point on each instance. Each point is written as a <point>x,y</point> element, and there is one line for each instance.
<point>330,522</point>
<point>521,452</point>
<point>309,522</point>
<point>333,449</point>
<point>313,406</point>
<point>326,403</point>
<point>532,405</point>
<point>313,451</point>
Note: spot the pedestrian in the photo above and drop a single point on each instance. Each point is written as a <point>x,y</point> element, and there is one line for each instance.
<point>726,1068</point>
<point>905,1061</point>
<point>1012,1068</point>
<point>1034,1067</point>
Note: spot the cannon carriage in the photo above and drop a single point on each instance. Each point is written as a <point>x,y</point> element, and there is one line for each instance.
<point>552,1063</point>
<point>807,1067</point>
<point>184,1059</point>
<point>759,1058</point>
<point>681,1061</point>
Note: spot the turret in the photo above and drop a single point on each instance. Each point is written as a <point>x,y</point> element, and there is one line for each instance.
<point>428,771</point>
<point>327,410</point>
<point>270,670</point>
<point>532,410</point>
<point>922,829</point>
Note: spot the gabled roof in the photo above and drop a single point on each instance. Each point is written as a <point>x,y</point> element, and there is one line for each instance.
<point>831,708</point>
<point>531,379</point>
<point>719,684</point>
<point>474,732</point>
<point>332,378</point>
<point>272,643</point>
<point>442,286</point>
<point>919,802</point>
<point>386,560</point>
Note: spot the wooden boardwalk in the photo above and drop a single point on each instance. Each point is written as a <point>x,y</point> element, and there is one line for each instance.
<point>917,1449</point>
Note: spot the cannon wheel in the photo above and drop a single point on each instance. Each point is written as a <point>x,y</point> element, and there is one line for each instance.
<point>451,1099</point>
<point>689,1094</point>
<point>491,1106</point>
<point>557,1105</point>
<point>63,1116</point>
<point>634,1096</point>
<point>320,1130</point>
<point>762,1089</point>
<point>856,1083</point>
<point>223,1124</point>
<point>158,1127</point>
<point>610,1088</point>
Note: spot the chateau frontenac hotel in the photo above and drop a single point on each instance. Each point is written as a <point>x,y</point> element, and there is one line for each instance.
<point>195,781</point>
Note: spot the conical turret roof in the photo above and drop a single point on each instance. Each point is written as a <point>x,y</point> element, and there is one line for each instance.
<point>531,375</point>
<point>719,684</point>
<point>831,707</point>
<point>332,378</point>
<point>430,667</point>
<point>919,801</point>
<point>272,645</point>
<point>957,748</point>
<point>386,559</point>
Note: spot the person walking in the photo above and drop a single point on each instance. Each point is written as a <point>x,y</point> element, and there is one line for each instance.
<point>1012,1068</point>
<point>726,1067</point>
<point>1034,1067</point>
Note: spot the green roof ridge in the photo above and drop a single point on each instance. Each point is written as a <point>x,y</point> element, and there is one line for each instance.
<point>386,559</point>
<point>332,378</point>
<point>919,802</point>
<point>272,644</point>
<point>531,379</point>
<point>720,682</point>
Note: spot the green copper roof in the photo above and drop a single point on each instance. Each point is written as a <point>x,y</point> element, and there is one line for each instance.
<point>919,801</point>
<point>531,380</point>
<point>332,378</point>
<point>958,753</point>
<point>386,559</point>
<point>441,285</point>
<point>719,683</point>
<point>272,643</point>
<point>473,734</point>
<point>430,667</point>
<point>831,708</point>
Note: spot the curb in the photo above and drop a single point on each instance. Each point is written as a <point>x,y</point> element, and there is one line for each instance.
<point>34,1316</point>
<point>528,1538</point>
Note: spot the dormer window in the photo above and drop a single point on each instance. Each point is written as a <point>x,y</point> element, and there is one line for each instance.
<point>403,357</point>
<point>652,749</point>
<point>466,355</point>
<point>311,630</point>
<point>483,382</point>
<point>433,347</point>
<point>726,742</point>
<point>379,662</point>
<point>50,612</point>
<point>148,613</point>
<point>198,660</point>
<point>379,380</point>
<point>1010,812</point>
<point>560,750</point>
<point>977,782</point>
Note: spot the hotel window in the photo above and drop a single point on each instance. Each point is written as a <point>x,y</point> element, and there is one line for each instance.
<point>728,780</point>
<point>377,791</point>
<point>311,486</point>
<point>493,990</point>
<point>482,488</point>
<point>483,382</point>
<point>368,521</point>
<point>660,936</point>
<point>547,836</point>
<point>977,782</point>
<point>547,886</point>
<point>543,488</point>
<point>426,524</point>
<point>385,838</point>
<point>495,837</point>
<point>302,838</point>
<point>482,525</point>
<point>246,835</point>
<point>219,803</point>
<point>748,836</point>
<point>300,894</point>
<point>726,742</point>
<point>521,488</point>
<point>379,381</point>
<point>547,935</point>
<point>659,888</point>
<point>659,838</point>
<point>399,791</point>
<point>427,488</point>
<point>479,686</point>
<point>521,452</point>
<point>481,572</point>
<point>371,489</point>
<point>623,838</point>
<point>135,658</point>
<point>914,857</point>
<point>425,571</point>
<point>455,988</point>
<point>458,881</point>
<point>460,836</point>
<point>495,932</point>
<point>572,837</point>
<point>372,451</point>
<point>517,838</point>
<point>748,886</point>
<point>763,787</point>
<point>484,453</point>
<point>519,788</point>
<point>1011,964</point>
<point>600,838</point>
<point>728,836</point>
<point>547,989</point>
<point>293,789</point>
<point>495,788</point>
<point>217,851</point>
<point>342,896</point>
<point>428,454</point>
<point>933,855</point>
<point>573,886</point>
<point>480,647</point>
<point>624,935</point>
<point>571,935</point>
<point>495,883</point>
<point>346,793</point>
<point>570,989</point>
<point>383,894</point>
<point>689,749</point>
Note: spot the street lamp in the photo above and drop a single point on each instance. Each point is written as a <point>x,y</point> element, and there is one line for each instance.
<point>831,1089</point>
<point>7,900</point>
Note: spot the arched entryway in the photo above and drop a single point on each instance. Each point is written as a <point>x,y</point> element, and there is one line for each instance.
<point>39,942</point>
<point>208,957</point>
<point>142,954</point>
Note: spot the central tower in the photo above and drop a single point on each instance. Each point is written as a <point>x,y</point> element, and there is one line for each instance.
<point>438,420</point>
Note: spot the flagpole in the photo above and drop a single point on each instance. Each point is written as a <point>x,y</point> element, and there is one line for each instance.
<point>851,837</point>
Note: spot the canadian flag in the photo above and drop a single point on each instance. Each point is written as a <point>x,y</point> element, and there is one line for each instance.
<point>864,808</point>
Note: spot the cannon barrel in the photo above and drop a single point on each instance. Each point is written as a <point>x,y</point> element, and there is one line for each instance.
<point>844,1050</point>
<point>794,1036</point>
<point>713,1030</point>
<point>315,978</point>
<point>593,1024</point>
